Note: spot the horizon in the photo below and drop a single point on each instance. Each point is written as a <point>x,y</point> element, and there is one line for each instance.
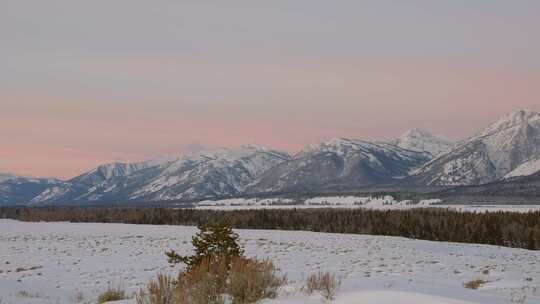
<point>173,77</point>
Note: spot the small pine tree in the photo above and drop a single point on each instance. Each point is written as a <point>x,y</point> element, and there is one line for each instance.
<point>211,241</point>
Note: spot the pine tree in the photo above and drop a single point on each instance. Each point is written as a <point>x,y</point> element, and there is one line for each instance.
<point>212,241</point>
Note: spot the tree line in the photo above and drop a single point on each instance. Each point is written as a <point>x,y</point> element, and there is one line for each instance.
<point>494,228</point>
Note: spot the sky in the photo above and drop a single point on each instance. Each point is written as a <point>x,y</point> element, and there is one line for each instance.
<point>89,82</point>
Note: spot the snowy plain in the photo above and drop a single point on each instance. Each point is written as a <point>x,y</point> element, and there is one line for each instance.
<point>386,202</point>
<point>74,262</point>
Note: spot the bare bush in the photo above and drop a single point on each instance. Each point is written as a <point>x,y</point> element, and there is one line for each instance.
<point>203,283</point>
<point>323,282</point>
<point>251,280</point>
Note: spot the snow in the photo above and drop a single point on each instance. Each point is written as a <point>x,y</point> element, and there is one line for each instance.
<point>423,141</point>
<point>512,120</point>
<point>50,193</point>
<point>246,202</point>
<point>344,147</point>
<point>386,202</point>
<point>55,261</point>
<point>489,156</point>
<point>380,297</point>
<point>492,208</point>
<point>239,166</point>
<point>512,140</point>
<point>120,169</point>
<point>380,203</point>
<point>525,169</point>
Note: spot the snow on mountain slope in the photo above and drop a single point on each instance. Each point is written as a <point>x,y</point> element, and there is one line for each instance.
<point>198,175</point>
<point>209,174</point>
<point>527,168</point>
<point>19,190</point>
<point>340,164</point>
<point>489,156</point>
<point>423,141</point>
<point>106,182</point>
<point>108,171</point>
<point>513,140</point>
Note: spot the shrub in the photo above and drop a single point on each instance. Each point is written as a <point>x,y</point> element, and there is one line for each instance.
<point>251,280</point>
<point>112,295</point>
<point>210,282</point>
<point>204,283</point>
<point>474,284</point>
<point>215,273</point>
<point>323,282</point>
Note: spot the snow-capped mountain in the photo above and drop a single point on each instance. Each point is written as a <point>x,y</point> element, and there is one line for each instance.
<point>489,156</point>
<point>106,182</point>
<point>340,164</point>
<point>423,141</point>
<point>211,174</point>
<point>16,190</point>
<point>199,175</point>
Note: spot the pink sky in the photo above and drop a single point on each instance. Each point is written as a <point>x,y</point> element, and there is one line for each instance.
<point>283,106</point>
<point>102,83</point>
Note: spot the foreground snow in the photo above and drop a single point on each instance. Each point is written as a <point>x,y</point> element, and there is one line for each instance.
<point>60,262</point>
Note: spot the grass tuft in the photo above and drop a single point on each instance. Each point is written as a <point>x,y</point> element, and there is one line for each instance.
<point>112,295</point>
<point>474,284</point>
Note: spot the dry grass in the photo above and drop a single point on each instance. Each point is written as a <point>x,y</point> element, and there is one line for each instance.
<point>158,291</point>
<point>323,282</point>
<point>112,295</point>
<point>213,281</point>
<point>252,280</point>
<point>204,283</point>
<point>474,284</point>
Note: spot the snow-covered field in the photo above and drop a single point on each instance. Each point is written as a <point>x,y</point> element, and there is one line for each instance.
<point>64,262</point>
<point>352,202</point>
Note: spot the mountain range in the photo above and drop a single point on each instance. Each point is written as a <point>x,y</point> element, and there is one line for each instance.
<point>505,155</point>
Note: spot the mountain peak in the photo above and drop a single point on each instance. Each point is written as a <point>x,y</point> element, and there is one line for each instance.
<point>339,145</point>
<point>423,141</point>
<point>515,119</point>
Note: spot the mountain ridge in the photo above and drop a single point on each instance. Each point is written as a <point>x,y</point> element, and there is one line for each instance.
<point>504,153</point>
